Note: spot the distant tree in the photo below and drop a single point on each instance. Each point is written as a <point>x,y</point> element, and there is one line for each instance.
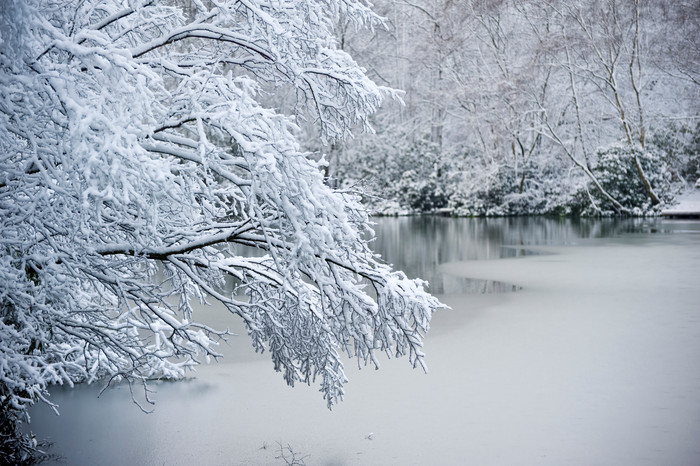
<point>136,166</point>
<point>608,49</point>
<point>522,95</point>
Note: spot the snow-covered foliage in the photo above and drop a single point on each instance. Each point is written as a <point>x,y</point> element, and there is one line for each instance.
<point>616,171</point>
<point>137,166</point>
<point>680,145</point>
<point>411,175</point>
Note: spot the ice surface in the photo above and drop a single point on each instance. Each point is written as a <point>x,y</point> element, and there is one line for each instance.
<point>594,361</point>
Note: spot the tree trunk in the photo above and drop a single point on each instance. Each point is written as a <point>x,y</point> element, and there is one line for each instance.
<point>647,186</point>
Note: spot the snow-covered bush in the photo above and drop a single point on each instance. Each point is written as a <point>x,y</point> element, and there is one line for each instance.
<point>398,178</point>
<point>422,185</point>
<point>483,191</point>
<point>616,170</point>
<point>680,148</point>
<point>538,189</point>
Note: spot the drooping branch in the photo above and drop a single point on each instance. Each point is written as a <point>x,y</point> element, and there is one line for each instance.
<point>202,31</point>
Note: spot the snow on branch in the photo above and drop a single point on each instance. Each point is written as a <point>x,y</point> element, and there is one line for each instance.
<point>136,165</point>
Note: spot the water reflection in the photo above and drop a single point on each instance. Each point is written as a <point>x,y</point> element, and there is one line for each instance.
<point>418,245</point>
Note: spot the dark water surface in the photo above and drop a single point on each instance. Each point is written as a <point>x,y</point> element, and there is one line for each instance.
<point>418,245</point>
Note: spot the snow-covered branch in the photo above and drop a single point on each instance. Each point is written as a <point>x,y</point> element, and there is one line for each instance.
<point>137,164</point>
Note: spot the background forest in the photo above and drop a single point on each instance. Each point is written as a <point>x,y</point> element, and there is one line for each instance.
<point>527,107</point>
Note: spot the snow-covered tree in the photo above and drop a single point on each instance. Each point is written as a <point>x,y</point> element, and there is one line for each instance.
<point>137,165</point>
<point>520,96</point>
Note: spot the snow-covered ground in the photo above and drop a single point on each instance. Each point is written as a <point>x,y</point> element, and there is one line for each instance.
<point>688,203</point>
<point>593,362</point>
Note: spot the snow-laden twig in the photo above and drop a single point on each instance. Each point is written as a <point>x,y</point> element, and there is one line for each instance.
<point>130,189</point>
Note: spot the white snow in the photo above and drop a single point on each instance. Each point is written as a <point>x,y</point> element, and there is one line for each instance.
<point>688,203</point>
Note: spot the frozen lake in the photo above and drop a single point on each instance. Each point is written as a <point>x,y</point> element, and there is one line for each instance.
<point>568,343</point>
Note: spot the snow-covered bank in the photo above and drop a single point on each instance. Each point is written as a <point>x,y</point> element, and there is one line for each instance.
<point>594,361</point>
<point>687,205</point>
